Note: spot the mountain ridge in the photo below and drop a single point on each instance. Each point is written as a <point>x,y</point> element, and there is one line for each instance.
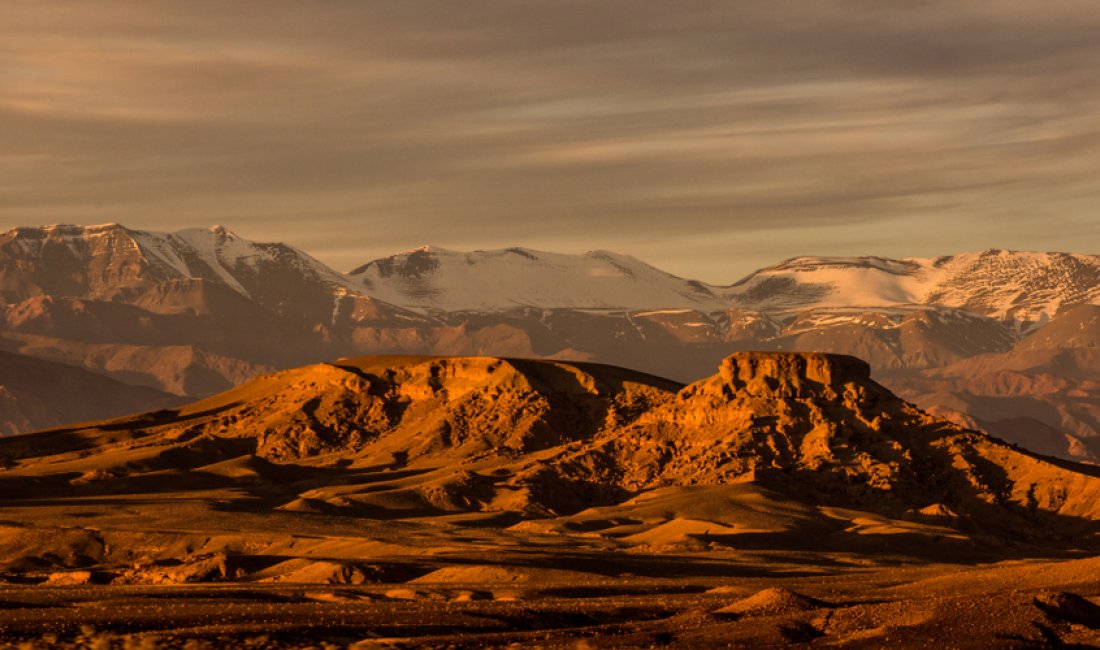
<point>798,283</point>
<point>539,439</point>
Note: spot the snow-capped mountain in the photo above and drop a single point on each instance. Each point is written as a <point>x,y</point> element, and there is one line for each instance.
<point>834,282</point>
<point>212,270</point>
<point>1022,287</point>
<point>189,312</point>
<point>112,262</point>
<point>437,279</point>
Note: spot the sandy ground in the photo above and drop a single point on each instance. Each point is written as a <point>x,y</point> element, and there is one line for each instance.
<point>1021,604</point>
<point>349,584</point>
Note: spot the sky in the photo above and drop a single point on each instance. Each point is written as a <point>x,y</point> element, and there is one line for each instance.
<point>707,138</point>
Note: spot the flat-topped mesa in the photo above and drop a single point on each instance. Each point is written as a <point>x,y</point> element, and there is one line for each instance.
<point>800,375</point>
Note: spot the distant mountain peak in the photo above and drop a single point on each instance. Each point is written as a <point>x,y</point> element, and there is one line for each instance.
<point>63,230</point>
<point>217,230</point>
<point>1022,287</point>
<point>112,262</point>
<point>426,248</point>
<point>501,279</point>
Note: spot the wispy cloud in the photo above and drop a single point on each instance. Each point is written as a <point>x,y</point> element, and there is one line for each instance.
<point>753,130</point>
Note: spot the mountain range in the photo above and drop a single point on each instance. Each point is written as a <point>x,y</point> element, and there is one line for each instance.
<point>997,340</point>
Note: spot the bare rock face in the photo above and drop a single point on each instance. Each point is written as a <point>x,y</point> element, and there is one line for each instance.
<point>411,407</point>
<point>816,427</point>
<point>786,375</point>
<point>69,578</point>
<point>768,412</point>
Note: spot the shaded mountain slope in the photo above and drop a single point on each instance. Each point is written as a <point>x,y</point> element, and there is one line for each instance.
<point>1046,399</point>
<point>183,370</point>
<point>36,394</point>
<point>1077,327</point>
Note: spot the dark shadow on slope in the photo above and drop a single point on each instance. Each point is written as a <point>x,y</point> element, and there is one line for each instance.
<point>634,565</point>
<point>92,434</point>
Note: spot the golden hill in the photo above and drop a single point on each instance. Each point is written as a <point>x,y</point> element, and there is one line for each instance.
<point>399,437</point>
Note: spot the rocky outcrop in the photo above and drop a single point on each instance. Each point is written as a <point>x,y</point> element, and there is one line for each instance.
<point>411,407</point>
<point>785,375</point>
<point>533,438</point>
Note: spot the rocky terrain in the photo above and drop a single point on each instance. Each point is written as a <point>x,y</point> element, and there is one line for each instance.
<point>196,312</point>
<point>403,501</point>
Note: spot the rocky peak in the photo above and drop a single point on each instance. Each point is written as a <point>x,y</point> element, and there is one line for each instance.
<point>792,374</point>
<point>429,406</point>
<point>422,378</point>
